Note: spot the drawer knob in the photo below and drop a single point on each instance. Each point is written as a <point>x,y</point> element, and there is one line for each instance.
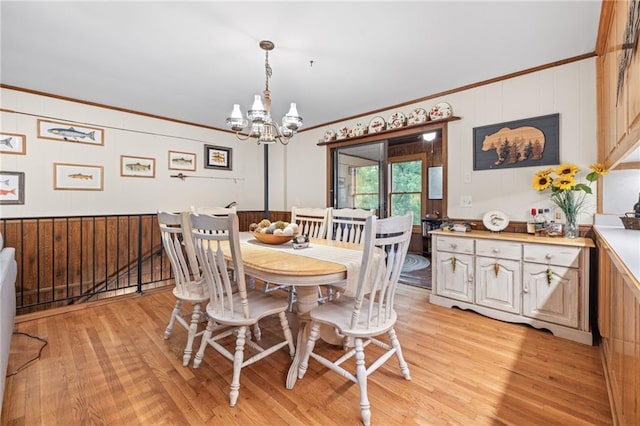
<point>453,245</point>
<point>495,250</point>
<point>547,256</point>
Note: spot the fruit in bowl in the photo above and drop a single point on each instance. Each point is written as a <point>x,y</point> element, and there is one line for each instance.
<point>278,232</point>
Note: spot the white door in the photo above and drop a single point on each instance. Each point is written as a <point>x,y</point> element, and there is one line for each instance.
<point>498,284</point>
<point>454,276</point>
<point>550,293</point>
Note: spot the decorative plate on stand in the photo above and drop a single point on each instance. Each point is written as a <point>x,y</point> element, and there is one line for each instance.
<point>377,124</point>
<point>495,220</point>
<point>396,120</point>
<point>440,111</point>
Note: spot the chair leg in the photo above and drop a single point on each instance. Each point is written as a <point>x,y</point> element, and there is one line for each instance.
<point>238,359</point>
<point>203,344</point>
<point>313,336</point>
<point>404,367</point>
<point>193,329</point>
<point>287,333</point>
<point>176,311</point>
<point>361,375</point>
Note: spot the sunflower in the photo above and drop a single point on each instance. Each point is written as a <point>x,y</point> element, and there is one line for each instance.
<point>599,169</point>
<point>567,169</point>
<point>541,180</point>
<point>564,182</point>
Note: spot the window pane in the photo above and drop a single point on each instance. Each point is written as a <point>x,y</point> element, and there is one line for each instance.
<point>403,203</point>
<point>406,176</point>
<point>366,201</point>
<point>367,179</point>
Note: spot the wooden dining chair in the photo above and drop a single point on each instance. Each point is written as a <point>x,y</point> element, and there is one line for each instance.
<point>190,286</point>
<point>232,312</point>
<point>370,314</point>
<point>347,224</point>
<point>312,222</point>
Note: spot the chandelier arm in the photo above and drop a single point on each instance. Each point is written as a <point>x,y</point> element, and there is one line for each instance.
<point>241,138</point>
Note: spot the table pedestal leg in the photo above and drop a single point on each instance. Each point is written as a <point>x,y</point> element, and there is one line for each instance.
<point>307,300</point>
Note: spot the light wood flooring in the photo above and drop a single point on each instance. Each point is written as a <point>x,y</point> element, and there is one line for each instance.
<point>108,364</point>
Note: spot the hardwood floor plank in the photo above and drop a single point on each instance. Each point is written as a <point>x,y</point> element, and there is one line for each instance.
<point>109,364</point>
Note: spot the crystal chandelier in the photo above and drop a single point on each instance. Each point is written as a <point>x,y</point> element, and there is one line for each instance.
<point>263,129</point>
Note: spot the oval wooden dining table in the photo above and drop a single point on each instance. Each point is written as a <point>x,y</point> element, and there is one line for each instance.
<point>292,268</point>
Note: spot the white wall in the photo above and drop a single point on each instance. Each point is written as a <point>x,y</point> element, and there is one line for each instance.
<point>128,134</point>
<point>568,89</point>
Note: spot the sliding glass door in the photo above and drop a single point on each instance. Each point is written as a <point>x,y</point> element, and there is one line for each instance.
<point>359,178</point>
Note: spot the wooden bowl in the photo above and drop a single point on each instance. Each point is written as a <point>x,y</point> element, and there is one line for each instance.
<point>272,238</point>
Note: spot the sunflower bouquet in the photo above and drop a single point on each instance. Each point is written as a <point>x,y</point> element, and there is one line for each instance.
<point>567,193</point>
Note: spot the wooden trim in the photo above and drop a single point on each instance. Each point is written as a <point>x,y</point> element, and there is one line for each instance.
<point>606,20</point>
<point>462,88</point>
<point>631,165</point>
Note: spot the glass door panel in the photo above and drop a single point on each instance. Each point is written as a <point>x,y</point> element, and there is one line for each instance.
<point>357,178</point>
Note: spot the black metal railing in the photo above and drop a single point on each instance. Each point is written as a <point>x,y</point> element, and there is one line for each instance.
<point>68,260</point>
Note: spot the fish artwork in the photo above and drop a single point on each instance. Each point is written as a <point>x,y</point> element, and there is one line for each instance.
<point>5,182</point>
<point>80,176</point>
<point>182,161</point>
<point>138,167</point>
<point>7,142</point>
<point>7,191</point>
<point>71,133</point>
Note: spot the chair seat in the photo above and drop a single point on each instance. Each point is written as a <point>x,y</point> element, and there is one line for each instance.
<point>262,305</point>
<point>337,314</point>
<point>197,292</point>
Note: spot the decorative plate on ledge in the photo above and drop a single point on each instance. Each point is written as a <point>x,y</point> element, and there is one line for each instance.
<point>329,135</point>
<point>440,111</point>
<point>377,124</point>
<point>358,130</point>
<point>396,120</point>
<point>343,133</point>
<point>417,116</point>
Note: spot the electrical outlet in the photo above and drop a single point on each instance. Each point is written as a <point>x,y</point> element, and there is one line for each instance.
<point>465,201</point>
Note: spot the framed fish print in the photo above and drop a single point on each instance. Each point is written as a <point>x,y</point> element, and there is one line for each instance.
<point>13,143</point>
<point>68,132</point>
<point>137,166</point>
<point>182,161</point>
<point>79,177</point>
<point>11,187</point>
<point>217,157</point>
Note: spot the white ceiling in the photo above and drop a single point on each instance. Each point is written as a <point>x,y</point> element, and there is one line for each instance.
<point>192,60</point>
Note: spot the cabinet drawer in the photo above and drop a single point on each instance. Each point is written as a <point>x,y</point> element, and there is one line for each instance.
<point>499,249</point>
<point>552,255</point>
<point>455,245</point>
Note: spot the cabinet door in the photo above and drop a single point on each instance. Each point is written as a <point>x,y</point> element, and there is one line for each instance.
<point>454,276</point>
<point>553,298</point>
<point>498,283</point>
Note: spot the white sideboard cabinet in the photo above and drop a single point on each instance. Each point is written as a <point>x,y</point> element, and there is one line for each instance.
<point>540,281</point>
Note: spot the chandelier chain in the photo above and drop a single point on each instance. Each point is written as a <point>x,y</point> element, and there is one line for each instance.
<point>267,69</point>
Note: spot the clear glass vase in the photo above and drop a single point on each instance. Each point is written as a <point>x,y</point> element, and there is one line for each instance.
<point>571,227</point>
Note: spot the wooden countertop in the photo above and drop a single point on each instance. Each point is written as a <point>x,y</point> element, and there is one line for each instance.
<point>514,236</point>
